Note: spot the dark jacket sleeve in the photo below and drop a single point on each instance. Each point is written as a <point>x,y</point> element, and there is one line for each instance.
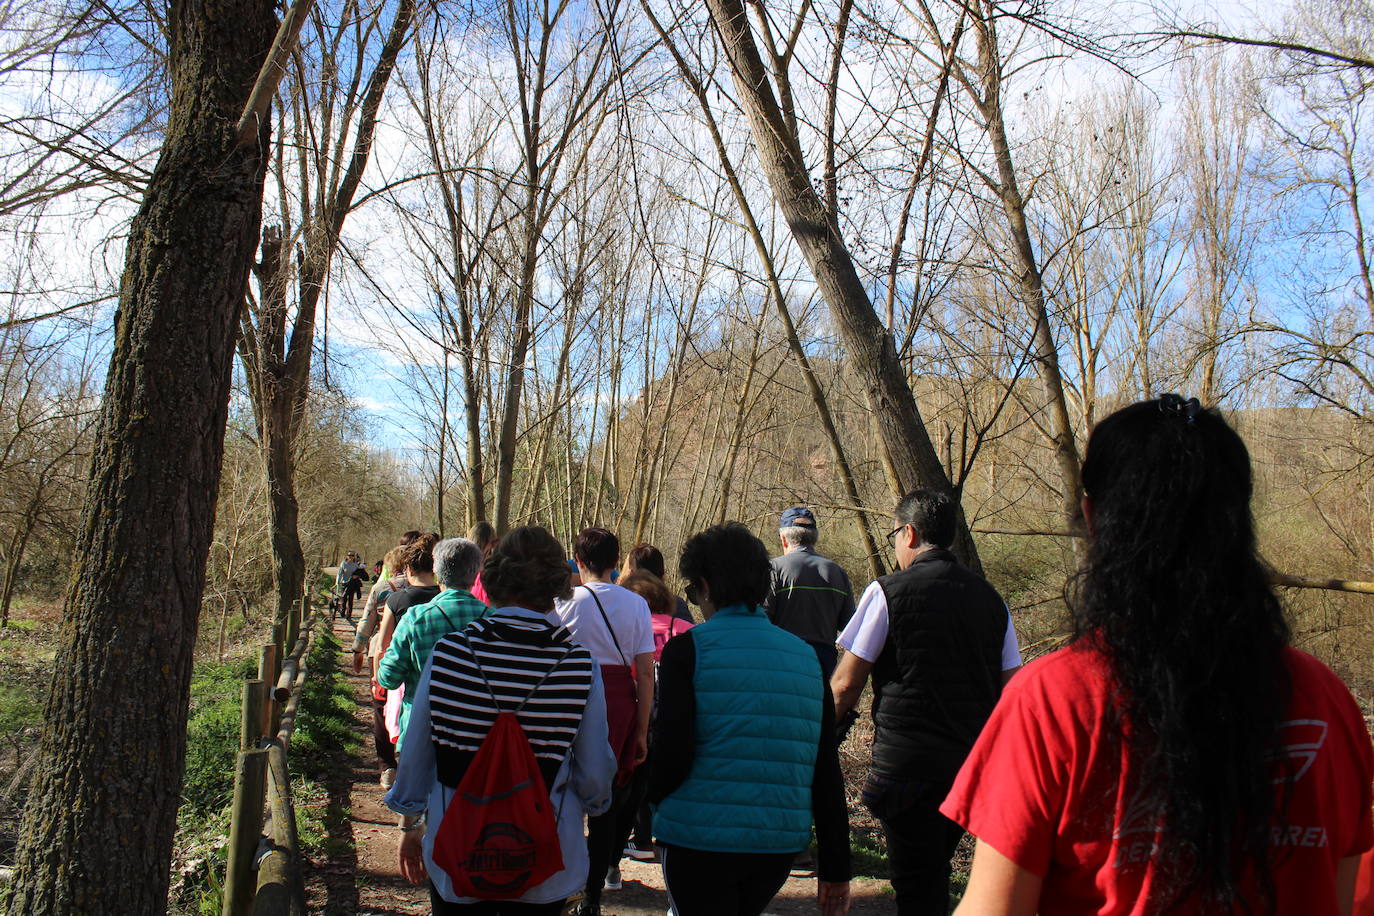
<point>674,737</point>
<point>828,806</point>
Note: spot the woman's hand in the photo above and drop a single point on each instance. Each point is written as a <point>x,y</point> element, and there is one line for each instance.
<point>641,747</point>
<point>412,856</point>
<point>832,897</point>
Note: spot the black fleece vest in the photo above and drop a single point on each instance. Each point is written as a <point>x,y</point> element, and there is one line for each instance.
<point>940,671</point>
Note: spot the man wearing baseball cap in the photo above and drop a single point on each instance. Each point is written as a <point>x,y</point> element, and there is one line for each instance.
<point>811,595</point>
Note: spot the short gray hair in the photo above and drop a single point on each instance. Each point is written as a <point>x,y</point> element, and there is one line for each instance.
<point>456,562</point>
<point>799,535</point>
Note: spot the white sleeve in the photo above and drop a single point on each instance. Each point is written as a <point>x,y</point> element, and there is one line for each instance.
<point>1011,650</point>
<point>644,628</point>
<point>866,631</point>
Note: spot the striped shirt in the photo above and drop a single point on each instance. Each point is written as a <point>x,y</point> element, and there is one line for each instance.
<point>517,655</point>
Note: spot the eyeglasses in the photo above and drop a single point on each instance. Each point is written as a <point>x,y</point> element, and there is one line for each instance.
<point>892,535</point>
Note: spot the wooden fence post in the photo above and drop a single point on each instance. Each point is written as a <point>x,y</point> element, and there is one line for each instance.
<point>269,669</point>
<point>251,728</point>
<point>280,886</point>
<point>245,831</point>
<point>268,666</point>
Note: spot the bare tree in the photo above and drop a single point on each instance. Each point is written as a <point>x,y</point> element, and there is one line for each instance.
<point>1218,144</point>
<point>334,124</point>
<point>765,95</point>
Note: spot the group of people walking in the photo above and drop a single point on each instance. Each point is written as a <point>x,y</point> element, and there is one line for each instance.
<point>1177,754</point>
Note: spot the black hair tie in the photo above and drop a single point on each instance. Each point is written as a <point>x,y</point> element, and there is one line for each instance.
<point>1175,406</point>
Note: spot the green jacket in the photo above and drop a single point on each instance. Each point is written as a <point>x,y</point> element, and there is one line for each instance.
<point>423,626</point>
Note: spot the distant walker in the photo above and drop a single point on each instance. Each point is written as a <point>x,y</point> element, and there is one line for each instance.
<point>810,595</point>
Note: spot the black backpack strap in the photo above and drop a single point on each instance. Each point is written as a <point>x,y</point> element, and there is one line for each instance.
<point>482,674</point>
<point>607,622</point>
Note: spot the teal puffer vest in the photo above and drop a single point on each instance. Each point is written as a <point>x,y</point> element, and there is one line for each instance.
<point>758,721</point>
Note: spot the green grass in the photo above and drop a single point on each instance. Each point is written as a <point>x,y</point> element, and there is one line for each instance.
<point>212,746</point>
<point>19,709</point>
<point>322,746</point>
<point>319,750</point>
<point>212,736</point>
<point>867,858</point>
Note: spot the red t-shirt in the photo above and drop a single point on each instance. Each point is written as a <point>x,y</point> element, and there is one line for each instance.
<point>1046,786</point>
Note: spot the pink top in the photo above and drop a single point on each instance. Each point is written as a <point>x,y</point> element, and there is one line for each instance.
<point>665,628</point>
<point>479,592</point>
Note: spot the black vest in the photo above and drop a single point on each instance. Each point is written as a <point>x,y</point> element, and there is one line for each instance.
<point>940,671</point>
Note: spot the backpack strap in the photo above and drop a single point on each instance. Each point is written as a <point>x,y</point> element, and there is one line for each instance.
<point>607,622</point>
<point>485,683</point>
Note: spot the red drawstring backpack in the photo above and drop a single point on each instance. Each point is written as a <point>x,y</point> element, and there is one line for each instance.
<point>499,837</point>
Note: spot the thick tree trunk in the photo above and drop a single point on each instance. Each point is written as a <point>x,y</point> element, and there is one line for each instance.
<point>868,344</point>
<point>288,556</point>
<point>275,395</point>
<point>97,830</point>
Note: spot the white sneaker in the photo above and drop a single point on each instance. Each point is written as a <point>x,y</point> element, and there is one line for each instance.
<point>613,879</point>
<point>388,777</point>
<point>634,852</point>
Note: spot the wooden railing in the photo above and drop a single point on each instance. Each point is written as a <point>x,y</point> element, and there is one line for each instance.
<point>263,874</point>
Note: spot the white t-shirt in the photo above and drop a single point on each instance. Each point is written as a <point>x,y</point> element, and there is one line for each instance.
<point>627,612</point>
<point>867,630</point>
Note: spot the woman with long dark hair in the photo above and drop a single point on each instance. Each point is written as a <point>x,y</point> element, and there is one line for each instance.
<point>1178,755</point>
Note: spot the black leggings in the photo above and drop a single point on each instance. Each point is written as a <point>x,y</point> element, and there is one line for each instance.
<point>704,883</point>
<point>442,907</point>
<point>381,738</point>
<point>603,832</point>
<point>628,820</point>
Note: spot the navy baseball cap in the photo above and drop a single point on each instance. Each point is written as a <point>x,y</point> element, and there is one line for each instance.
<point>798,516</point>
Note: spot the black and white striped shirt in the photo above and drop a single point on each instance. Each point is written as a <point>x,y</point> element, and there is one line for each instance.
<point>515,653</point>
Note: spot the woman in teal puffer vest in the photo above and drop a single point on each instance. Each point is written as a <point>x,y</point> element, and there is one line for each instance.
<point>744,745</point>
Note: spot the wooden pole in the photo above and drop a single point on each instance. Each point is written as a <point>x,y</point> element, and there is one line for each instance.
<point>267,664</point>
<point>245,831</point>
<point>1335,585</point>
<point>280,887</point>
<point>282,692</point>
<point>254,715</point>
<point>292,626</point>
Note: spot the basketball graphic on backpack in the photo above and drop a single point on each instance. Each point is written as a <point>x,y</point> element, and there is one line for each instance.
<point>501,859</point>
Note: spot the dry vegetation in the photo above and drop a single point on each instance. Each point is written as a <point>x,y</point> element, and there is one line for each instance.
<point>656,265</point>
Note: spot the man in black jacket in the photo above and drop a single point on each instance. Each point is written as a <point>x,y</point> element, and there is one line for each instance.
<point>939,643</point>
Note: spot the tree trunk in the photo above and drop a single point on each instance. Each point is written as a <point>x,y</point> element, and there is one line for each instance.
<point>279,370</point>
<point>97,830</point>
<point>868,344</point>
<point>1032,285</point>
<point>288,557</point>
<point>13,558</point>
<point>813,386</point>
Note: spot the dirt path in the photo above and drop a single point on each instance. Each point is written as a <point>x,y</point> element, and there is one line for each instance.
<point>361,878</point>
